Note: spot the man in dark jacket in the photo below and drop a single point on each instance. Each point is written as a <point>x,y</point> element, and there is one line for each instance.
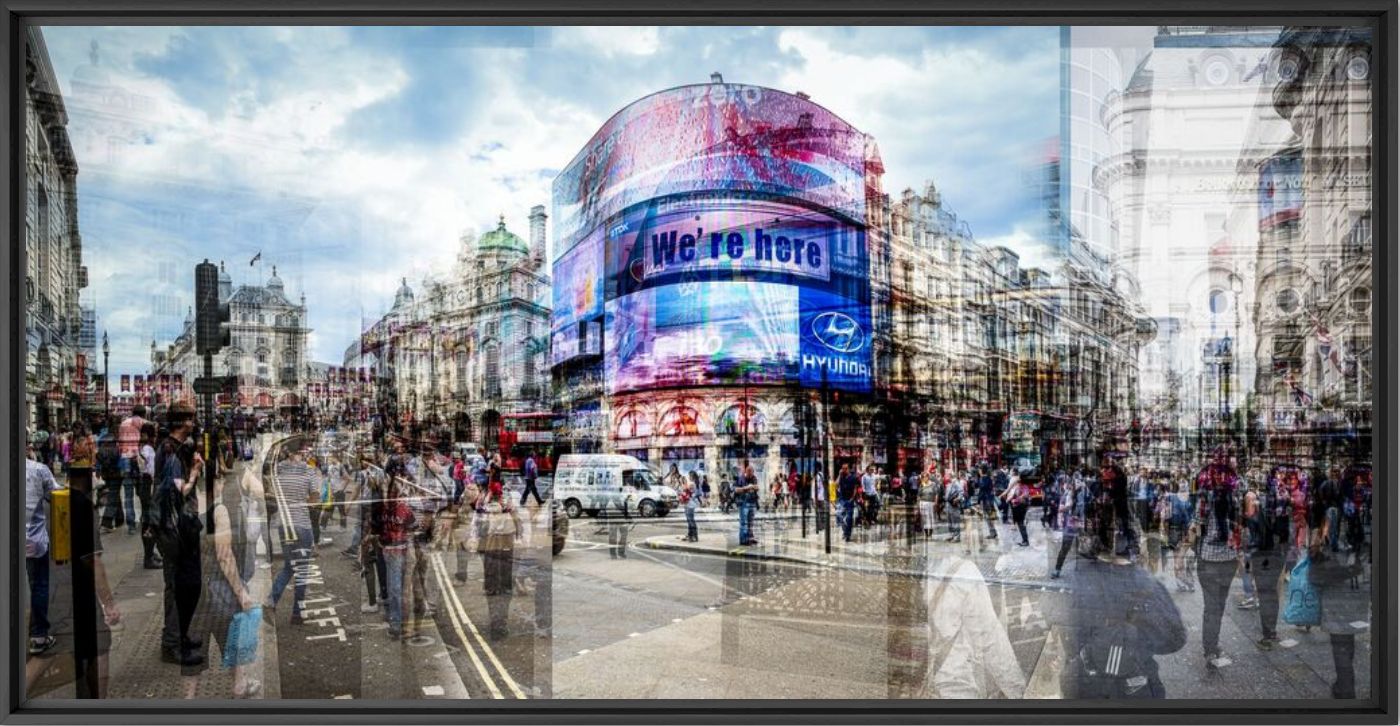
<point>177,528</point>
<point>1120,619</point>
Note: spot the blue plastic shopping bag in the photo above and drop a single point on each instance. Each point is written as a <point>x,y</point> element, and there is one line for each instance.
<point>1303,606</point>
<point>242,646</point>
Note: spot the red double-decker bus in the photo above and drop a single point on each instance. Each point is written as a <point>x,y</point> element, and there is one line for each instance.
<point>523,433</point>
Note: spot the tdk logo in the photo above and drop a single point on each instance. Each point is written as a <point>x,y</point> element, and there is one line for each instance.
<point>839,332</point>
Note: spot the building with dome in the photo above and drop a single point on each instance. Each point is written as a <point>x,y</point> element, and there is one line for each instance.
<point>459,350</point>
<point>266,351</point>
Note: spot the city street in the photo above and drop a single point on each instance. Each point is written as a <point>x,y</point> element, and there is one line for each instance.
<point>635,290</point>
<point>674,620</point>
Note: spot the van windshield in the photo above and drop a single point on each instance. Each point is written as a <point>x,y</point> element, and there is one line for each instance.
<point>639,478</point>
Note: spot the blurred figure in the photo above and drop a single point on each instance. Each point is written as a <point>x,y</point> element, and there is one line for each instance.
<point>970,655</point>
<point>179,467</point>
<point>501,525</point>
<point>1122,619</point>
<point>294,477</point>
<point>1217,553</point>
<point>39,485</point>
<point>1346,605</point>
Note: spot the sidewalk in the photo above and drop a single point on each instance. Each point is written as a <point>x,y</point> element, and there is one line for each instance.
<point>134,664</point>
<point>1300,667</point>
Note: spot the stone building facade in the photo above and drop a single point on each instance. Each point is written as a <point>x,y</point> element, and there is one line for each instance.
<point>468,346</point>
<point>54,274</point>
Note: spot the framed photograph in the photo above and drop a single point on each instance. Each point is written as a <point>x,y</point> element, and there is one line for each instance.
<point>699,362</point>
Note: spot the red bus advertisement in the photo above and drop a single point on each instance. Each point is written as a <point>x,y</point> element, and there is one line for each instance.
<point>523,433</point>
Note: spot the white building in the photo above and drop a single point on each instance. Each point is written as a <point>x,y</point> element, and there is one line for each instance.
<point>471,345</point>
<point>267,350</point>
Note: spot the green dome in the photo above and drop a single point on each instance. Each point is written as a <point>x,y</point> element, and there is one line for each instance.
<point>501,238</point>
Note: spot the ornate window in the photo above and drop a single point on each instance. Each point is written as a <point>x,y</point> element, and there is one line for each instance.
<point>633,424</point>
<point>736,417</point>
<point>680,421</point>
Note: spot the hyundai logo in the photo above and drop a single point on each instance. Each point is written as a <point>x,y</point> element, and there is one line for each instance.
<point>839,332</point>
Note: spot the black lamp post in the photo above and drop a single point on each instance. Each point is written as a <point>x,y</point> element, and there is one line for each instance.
<point>106,389</point>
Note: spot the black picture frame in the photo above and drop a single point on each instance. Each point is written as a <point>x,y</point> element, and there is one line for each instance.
<point>1381,15</point>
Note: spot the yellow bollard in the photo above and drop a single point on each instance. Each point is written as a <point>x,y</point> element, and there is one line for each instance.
<point>60,538</point>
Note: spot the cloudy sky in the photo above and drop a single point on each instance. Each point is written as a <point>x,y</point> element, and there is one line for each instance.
<point>352,157</point>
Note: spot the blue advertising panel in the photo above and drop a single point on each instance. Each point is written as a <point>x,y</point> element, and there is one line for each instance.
<point>835,348</point>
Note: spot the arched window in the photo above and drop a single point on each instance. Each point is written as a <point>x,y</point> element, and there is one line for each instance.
<point>680,421</point>
<point>734,418</point>
<point>633,424</point>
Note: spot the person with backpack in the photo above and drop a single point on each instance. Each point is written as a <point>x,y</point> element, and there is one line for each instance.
<point>1112,642</point>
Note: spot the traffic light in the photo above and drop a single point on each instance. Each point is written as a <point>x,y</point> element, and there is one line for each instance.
<point>211,313</point>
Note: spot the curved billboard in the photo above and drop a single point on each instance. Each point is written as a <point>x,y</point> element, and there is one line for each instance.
<point>717,233</point>
<point>689,138</point>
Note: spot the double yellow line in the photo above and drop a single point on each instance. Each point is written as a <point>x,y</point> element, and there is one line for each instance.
<point>463,624</point>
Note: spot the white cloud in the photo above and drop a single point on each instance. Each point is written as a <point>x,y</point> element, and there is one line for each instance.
<point>609,40</point>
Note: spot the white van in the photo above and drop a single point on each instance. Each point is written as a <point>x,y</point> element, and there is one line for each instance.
<point>589,483</point>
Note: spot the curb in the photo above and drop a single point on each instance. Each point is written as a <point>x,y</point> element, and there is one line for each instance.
<point>858,562</point>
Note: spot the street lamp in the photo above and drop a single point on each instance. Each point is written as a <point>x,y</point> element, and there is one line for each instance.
<point>1236,287</point>
<point>106,389</point>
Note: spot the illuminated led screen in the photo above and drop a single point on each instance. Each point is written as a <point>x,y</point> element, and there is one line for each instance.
<point>688,138</point>
<point>722,290</point>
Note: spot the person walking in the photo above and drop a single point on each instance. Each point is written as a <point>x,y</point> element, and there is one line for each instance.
<point>145,486</point>
<point>294,482</point>
<point>501,526</point>
<point>746,496</point>
<point>690,496</point>
<point>987,501</point>
<point>129,449</point>
<point>531,474</point>
<point>39,486</point>
<point>618,516</point>
<point>391,529</point>
<point>1265,560</point>
<point>370,551</point>
<point>109,469</point>
<point>1213,536</point>
<point>1017,500</point>
<point>953,500</point>
<point>847,485</point>
<point>1074,501</point>
<point>230,566</point>
<point>179,467</point>
<point>1337,576</point>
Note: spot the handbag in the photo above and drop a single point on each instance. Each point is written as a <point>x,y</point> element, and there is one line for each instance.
<point>1304,603</point>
